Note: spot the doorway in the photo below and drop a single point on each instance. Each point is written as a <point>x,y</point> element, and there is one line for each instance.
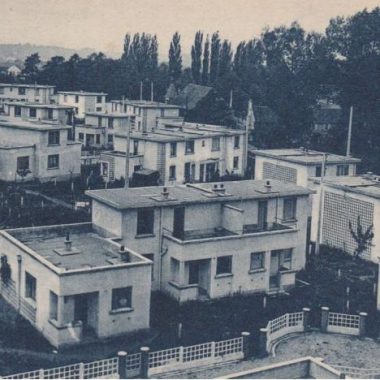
<point>179,223</point>
<point>86,309</point>
<point>274,275</point>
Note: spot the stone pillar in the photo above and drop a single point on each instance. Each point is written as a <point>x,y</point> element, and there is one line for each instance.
<point>246,344</point>
<point>122,365</point>
<point>324,318</point>
<point>144,369</point>
<point>263,342</point>
<point>306,319</point>
<point>362,323</point>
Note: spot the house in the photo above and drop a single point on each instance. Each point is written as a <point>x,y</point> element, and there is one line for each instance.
<point>38,150</point>
<point>72,284</point>
<point>83,101</point>
<point>191,95</point>
<point>179,152</point>
<point>31,93</point>
<point>14,71</point>
<point>146,113</point>
<point>211,240</point>
<point>298,165</point>
<point>98,128</point>
<point>344,201</point>
<point>40,111</point>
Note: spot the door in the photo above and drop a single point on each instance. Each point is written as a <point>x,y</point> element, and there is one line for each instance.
<point>210,171</point>
<point>274,270</point>
<point>81,308</point>
<point>187,172</point>
<point>192,172</point>
<point>193,272</point>
<point>262,215</point>
<point>179,222</point>
<point>201,172</point>
<point>204,276</point>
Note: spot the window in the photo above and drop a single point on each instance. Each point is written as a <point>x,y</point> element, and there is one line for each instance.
<point>53,306</point>
<point>98,139</point>
<point>81,136</point>
<point>98,109</point>
<point>22,163</point>
<point>224,265</point>
<point>285,257</point>
<point>193,272</point>
<point>189,147</point>
<point>17,111</point>
<point>110,139</point>
<point>53,161</point>
<point>236,163</point>
<point>21,91</point>
<point>172,173</point>
<point>32,112</point>
<point>290,208</point>
<point>1,90</point>
<point>122,298</point>
<point>318,171</point>
<point>37,92</point>
<point>53,138</point>
<point>257,260</point>
<point>30,286</point>
<point>135,147</point>
<point>174,270</point>
<point>236,142</point>
<point>99,121</point>
<point>110,122</point>
<point>50,114</point>
<point>76,99</point>
<point>341,170</point>
<point>145,221</point>
<point>215,145</point>
<point>139,126</point>
<point>173,149</point>
<point>99,99</point>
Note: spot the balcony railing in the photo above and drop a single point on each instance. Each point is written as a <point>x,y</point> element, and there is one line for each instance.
<point>253,228</point>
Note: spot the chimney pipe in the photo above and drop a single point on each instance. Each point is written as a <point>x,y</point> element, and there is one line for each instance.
<point>68,242</point>
<point>165,193</point>
<point>124,255</point>
<point>268,185</point>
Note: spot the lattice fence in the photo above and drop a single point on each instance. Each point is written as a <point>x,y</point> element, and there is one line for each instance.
<point>133,364</point>
<point>358,373</point>
<point>343,323</point>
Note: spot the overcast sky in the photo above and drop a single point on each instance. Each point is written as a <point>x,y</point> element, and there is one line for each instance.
<point>102,24</point>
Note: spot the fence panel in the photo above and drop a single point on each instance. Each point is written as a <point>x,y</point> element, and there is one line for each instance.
<point>133,364</point>
<point>358,373</point>
<point>71,371</point>
<point>229,347</point>
<point>343,323</point>
<point>101,369</point>
<point>198,352</point>
<point>24,375</point>
<point>164,358</point>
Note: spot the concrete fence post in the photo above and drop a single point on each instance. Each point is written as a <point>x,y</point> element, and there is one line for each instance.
<point>246,344</point>
<point>306,319</point>
<point>342,375</point>
<point>41,373</point>
<point>362,323</point>
<point>122,364</point>
<point>324,318</point>
<point>144,369</point>
<point>81,370</point>
<point>263,342</point>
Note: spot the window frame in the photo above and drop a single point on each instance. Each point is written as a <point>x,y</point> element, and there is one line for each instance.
<point>237,142</point>
<point>20,159</point>
<point>220,270</point>
<point>293,216</point>
<point>189,147</point>
<point>143,228</point>
<point>215,144</point>
<point>34,111</point>
<point>174,169</point>
<point>49,157</point>
<point>54,138</point>
<point>235,163</point>
<point>262,261</point>
<point>30,286</point>
<point>173,149</point>
<point>342,170</point>
<point>115,298</point>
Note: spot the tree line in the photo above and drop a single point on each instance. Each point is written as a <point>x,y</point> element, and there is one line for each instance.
<point>285,69</point>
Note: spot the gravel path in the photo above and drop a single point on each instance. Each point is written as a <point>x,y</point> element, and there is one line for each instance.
<point>334,348</point>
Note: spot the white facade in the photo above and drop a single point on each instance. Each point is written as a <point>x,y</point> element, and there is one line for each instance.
<point>70,293</point>
<point>83,101</point>
<point>211,243</point>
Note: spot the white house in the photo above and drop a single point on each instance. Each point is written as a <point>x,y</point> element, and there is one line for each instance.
<point>32,93</point>
<point>179,152</point>
<point>83,101</point>
<point>37,150</point>
<point>73,284</point>
<point>14,71</point>
<point>344,200</point>
<point>211,240</point>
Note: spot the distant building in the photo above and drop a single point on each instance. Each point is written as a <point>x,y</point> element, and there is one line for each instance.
<point>211,240</point>
<point>179,152</point>
<point>192,95</point>
<point>146,113</point>
<point>73,284</point>
<point>31,93</point>
<point>14,71</point>
<point>344,200</point>
<point>83,101</point>
<point>37,150</point>
<point>326,115</point>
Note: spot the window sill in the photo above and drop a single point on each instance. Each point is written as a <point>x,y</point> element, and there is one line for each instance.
<point>286,271</point>
<point>122,310</point>
<point>49,145</point>
<point>259,270</point>
<point>215,150</point>
<point>290,220</point>
<point>188,153</point>
<point>222,275</point>
<point>173,156</point>
<point>172,179</point>
<point>31,301</point>
<point>143,236</point>
<point>55,168</point>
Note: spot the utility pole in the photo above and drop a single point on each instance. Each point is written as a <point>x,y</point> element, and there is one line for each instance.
<point>348,151</point>
<point>249,125</point>
<point>317,243</point>
<point>231,98</point>
<point>151,91</point>
<point>128,125</point>
<point>141,90</point>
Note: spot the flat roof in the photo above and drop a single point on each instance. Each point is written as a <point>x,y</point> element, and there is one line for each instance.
<point>108,114</point>
<point>195,193</point>
<point>367,184</point>
<point>182,131</point>
<point>304,157</point>
<point>39,105</point>
<point>147,104</point>
<point>26,85</point>
<point>38,125</point>
<point>89,249</point>
<point>15,146</point>
<point>84,93</point>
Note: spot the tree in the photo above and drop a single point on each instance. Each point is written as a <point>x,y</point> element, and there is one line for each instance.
<point>175,57</point>
<point>214,60</point>
<point>363,238</point>
<point>225,59</point>
<point>31,67</point>
<point>196,57</point>
<point>205,62</point>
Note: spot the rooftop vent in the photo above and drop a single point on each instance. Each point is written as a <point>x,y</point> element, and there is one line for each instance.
<point>165,193</point>
<point>68,249</point>
<point>268,185</point>
<point>124,255</point>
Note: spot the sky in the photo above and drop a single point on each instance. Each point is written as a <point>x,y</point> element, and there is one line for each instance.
<point>102,24</point>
